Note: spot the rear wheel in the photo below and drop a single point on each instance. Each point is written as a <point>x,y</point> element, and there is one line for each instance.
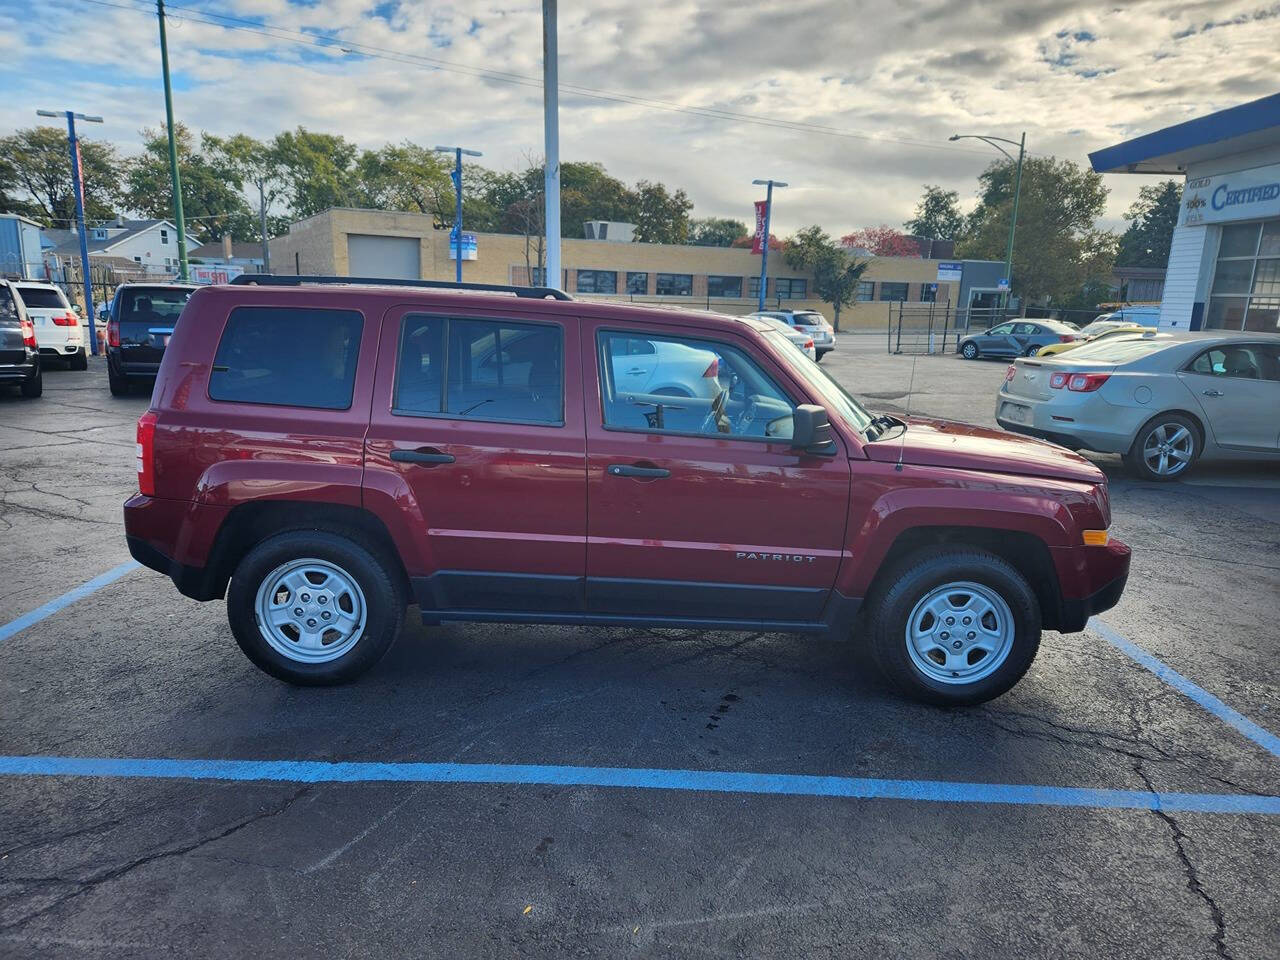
<point>954,627</point>
<point>315,608</point>
<point>35,386</point>
<point>79,361</point>
<point>1164,449</point>
<point>1032,350</point>
<point>969,350</point>
<point>119,385</point>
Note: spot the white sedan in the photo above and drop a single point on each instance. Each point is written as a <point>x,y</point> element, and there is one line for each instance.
<point>665,369</point>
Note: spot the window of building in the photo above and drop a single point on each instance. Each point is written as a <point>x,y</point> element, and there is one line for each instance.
<point>597,281</point>
<point>288,357</point>
<point>137,259</point>
<point>637,282</point>
<point>99,233</point>
<point>893,291</point>
<point>164,235</point>
<point>675,285</point>
<point>495,370</point>
<point>696,372</point>
<point>928,292</point>
<point>724,286</point>
<point>1246,278</point>
<point>753,288</point>
<point>866,291</point>
<point>792,288</point>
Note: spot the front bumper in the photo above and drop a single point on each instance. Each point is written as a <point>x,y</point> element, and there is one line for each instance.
<point>1099,572</point>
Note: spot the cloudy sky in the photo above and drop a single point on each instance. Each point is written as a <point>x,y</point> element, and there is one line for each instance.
<point>851,101</point>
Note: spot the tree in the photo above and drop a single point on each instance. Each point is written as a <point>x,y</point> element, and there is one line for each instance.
<point>881,241</point>
<point>1054,252</point>
<point>1152,219</point>
<point>937,215</point>
<point>258,166</point>
<point>213,200</point>
<point>716,232</point>
<point>406,176</point>
<point>836,273</point>
<point>38,164</point>
<point>661,216</point>
<point>318,169</point>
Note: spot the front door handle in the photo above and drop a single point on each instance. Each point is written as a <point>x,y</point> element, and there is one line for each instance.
<point>427,456</point>
<point>631,470</point>
<point>1213,393</point>
<point>636,371</point>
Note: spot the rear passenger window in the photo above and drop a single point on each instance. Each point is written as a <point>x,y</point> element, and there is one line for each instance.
<point>480,369</point>
<point>288,357</point>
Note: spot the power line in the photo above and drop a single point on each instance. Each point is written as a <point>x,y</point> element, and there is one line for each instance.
<point>222,21</point>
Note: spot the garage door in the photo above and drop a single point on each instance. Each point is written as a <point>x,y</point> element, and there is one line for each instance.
<point>395,258</point>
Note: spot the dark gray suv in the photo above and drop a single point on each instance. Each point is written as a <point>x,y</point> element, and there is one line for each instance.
<point>19,352</point>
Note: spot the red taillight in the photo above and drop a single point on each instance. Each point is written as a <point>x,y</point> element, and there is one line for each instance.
<point>146,451</point>
<point>808,344</point>
<point>1010,373</point>
<point>1058,381</point>
<point>1067,338</point>
<point>113,333</point>
<point>68,319</point>
<point>29,334</point>
<point>1086,382</point>
<point>713,368</point>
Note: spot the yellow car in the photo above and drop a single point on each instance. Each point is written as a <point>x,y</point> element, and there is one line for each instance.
<point>1128,328</point>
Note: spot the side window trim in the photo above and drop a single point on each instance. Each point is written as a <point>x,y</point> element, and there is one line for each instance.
<point>446,321</point>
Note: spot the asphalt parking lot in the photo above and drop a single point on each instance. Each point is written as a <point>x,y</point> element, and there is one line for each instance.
<point>555,791</point>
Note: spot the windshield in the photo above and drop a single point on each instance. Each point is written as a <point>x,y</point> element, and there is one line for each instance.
<point>838,401</point>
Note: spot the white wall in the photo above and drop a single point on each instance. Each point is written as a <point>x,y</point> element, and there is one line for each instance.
<point>147,246</point>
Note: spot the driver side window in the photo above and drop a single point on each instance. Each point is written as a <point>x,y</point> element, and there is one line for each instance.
<point>1001,331</point>
<point>664,384</point>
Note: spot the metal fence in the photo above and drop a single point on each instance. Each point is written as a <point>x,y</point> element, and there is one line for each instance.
<point>924,328</point>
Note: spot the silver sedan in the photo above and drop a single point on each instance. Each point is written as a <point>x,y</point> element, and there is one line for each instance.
<point>1161,400</point>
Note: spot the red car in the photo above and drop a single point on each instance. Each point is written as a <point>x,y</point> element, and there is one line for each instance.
<point>323,451</point>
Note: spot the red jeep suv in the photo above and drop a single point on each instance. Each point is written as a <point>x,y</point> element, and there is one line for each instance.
<point>323,451</point>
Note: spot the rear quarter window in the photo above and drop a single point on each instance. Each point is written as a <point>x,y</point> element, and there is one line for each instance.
<point>42,298</point>
<point>288,357</point>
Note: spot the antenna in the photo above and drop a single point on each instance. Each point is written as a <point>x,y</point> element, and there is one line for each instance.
<point>902,441</point>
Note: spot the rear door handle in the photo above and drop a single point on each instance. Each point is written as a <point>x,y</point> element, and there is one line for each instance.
<point>630,470</point>
<point>1213,393</point>
<point>427,456</point>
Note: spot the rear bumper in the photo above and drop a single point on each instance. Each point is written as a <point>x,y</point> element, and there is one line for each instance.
<point>18,372</point>
<point>175,537</point>
<point>1098,576</point>
<point>1090,425</point>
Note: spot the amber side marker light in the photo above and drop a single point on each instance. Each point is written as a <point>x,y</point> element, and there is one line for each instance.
<point>1095,538</point>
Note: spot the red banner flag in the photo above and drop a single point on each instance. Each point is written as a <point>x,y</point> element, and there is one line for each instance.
<point>761,208</point>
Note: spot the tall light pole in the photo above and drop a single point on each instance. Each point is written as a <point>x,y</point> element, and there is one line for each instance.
<point>180,223</point>
<point>764,241</point>
<point>456,176</point>
<point>551,138</point>
<point>1017,193</point>
<point>77,186</point>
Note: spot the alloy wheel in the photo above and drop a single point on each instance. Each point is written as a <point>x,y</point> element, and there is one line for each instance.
<point>1168,449</point>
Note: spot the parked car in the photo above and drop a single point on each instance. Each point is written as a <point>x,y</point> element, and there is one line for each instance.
<point>1015,338</point>
<point>1056,349</point>
<point>1162,401</point>
<point>806,321</point>
<point>664,368</point>
<point>19,351</point>
<point>59,329</point>
<point>803,341</point>
<point>142,319</point>
<point>322,452</point>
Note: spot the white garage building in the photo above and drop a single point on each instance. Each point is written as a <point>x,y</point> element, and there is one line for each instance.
<point>1224,265</point>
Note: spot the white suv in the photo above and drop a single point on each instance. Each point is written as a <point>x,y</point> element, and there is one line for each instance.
<point>60,331</point>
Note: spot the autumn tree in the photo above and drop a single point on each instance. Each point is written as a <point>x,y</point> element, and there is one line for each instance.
<point>836,272</point>
<point>881,241</point>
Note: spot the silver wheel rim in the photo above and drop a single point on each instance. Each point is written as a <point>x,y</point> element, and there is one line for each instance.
<point>310,611</point>
<point>1168,449</point>
<point>959,632</point>
<point>970,350</point>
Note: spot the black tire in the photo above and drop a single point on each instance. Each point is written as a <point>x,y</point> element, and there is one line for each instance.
<point>1171,422</point>
<point>79,361</point>
<point>969,350</point>
<point>119,385</point>
<point>1032,350</point>
<point>909,582</point>
<point>373,573</point>
<point>35,386</point>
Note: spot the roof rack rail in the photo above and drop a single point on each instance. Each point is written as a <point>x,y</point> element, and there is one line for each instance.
<point>283,280</point>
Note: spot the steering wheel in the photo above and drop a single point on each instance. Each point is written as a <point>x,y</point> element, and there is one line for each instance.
<point>747,417</point>
<point>715,416</point>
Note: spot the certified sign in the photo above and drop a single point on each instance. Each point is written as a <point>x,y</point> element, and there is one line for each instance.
<point>1247,195</point>
<point>470,249</point>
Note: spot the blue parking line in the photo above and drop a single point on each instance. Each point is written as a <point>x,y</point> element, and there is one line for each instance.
<point>698,781</point>
<point>64,601</point>
<point>1263,738</point>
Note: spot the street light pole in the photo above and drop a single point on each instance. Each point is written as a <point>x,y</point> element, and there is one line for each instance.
<point>1017,192</point>
<point>77,186</point>
<point>551,143</point>
<point>456,177</point>
<point>180,223</point>
<point>764,249</point>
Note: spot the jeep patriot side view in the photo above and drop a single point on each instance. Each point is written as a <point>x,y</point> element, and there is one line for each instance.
<point>323,451</point>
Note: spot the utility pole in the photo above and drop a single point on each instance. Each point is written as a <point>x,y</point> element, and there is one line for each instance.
<point>1017,194</point>
<point>764,248</point>
<point>77,186</point>
<point>551,137</point>
<point>262,225</point>
<point>456,177</point>
<point>180,223</point>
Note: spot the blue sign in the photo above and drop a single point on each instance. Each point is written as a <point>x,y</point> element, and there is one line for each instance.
<point>470,249</point>
<point>1246,195</point>
<point>950,272</point>
<point>1002,283</point>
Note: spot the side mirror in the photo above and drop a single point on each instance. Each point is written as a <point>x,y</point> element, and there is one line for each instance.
<point>76,309</point>
<point>811,430</point>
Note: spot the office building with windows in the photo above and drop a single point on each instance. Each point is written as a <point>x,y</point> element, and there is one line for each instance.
<point>1224,263</point>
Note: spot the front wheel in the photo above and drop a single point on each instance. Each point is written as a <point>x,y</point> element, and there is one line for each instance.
<point>315,608</point>
<point>969,351</point>
<point>954,627</point>
<point>1032,351</point>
